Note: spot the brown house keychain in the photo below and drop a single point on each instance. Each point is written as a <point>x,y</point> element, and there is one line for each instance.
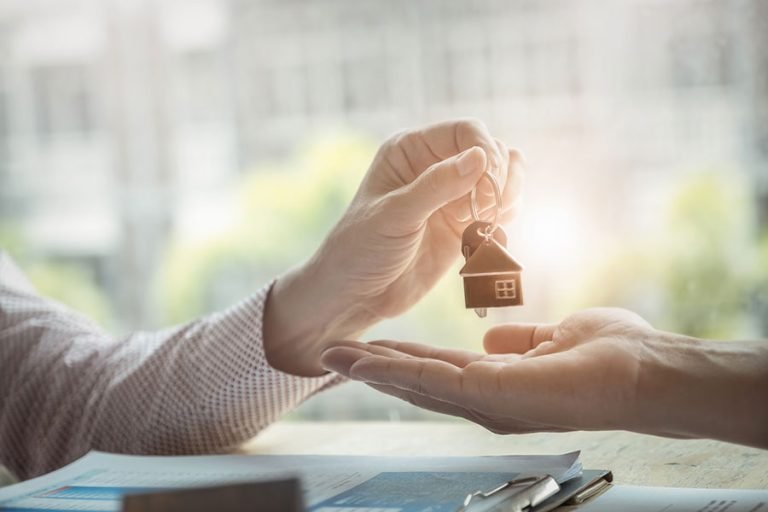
<point>491,275</point>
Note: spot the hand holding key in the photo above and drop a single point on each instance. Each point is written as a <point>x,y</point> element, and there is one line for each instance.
<point>399,235</point>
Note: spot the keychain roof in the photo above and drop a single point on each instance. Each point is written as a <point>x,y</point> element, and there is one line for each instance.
<point>489,259</point>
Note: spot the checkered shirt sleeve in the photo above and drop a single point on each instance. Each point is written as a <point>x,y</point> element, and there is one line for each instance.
<point>67,387</point>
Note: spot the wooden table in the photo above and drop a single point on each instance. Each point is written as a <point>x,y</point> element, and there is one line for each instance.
<point>634,458</point>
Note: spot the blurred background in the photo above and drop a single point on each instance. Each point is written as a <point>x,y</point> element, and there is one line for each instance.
<point>163,159</point>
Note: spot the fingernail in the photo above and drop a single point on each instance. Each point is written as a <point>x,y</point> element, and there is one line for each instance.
<point>467,161</point>
<point>331,361</point>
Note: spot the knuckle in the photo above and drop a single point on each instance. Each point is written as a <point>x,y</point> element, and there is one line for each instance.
<point>474,374</point>
<point>432,183</point>
<point>470,130</point>
<point>419,387</point>
<point>410,139</point>
<point>515,156</point>
<point>471,124</point>
<point>503,152</point>
<point>403,138</point>
<point>389,206</point>
<point>393,144</point>
<point>395,138</point>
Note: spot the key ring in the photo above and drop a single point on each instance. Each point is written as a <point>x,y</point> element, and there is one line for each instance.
<point>473,204</point>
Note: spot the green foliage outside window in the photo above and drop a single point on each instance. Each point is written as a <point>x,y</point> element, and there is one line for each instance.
<point>704,271</point>
<point>66,282</point>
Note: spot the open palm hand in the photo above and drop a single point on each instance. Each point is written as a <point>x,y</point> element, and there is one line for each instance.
<point>580,374</point>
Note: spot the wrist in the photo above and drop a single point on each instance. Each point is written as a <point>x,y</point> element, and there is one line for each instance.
<point>695,388</point>
<point>304,312</point>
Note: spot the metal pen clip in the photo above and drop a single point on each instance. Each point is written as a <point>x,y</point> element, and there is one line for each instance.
<point>539,488</point>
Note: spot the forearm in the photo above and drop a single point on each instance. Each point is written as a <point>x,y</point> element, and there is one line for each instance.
<point>206,387</point>
<point>69,387</point>
<point>711,389</point>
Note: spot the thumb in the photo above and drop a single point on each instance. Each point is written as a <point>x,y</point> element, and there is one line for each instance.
<point>441,183</point>
<point>516,338</point>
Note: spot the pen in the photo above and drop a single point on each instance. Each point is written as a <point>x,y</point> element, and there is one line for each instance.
<point>536,489</point>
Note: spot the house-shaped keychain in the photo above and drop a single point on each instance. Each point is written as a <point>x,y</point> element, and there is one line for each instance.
<point>491,277</point>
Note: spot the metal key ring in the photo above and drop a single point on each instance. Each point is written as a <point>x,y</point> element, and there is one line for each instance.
<point>473,203</point>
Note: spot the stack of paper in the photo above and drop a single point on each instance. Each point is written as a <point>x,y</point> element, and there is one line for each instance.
<point>331,483</point>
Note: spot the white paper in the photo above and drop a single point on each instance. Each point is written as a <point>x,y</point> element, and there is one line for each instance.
<point>630,498</point>
<point>331,483</point>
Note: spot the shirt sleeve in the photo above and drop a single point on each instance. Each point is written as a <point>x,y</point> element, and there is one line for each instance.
<point>67,387</point>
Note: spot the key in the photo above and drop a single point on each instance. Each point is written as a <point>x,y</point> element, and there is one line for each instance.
<point>471,239</point>
<point>491,275</point>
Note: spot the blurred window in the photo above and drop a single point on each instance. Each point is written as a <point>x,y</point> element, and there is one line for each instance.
<point>366,83</point>
<point>682,48</point>
<point>277,90</point>
<point>4,116</point>
<point>551,66</point>
<point>535,66</point>
<point>199,84</point>
<point>64,102</point>
<point>469,73</point>
<point>700,60</point>
<point>507,61</point>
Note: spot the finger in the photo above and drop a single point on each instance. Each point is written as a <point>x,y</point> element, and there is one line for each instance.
<point>509,214</point>
<point>526,391</point>
<point>550,391</point>
<point>510,178</point>
<point>542,349</point>
<point>515,179</point>
<point>400,350</point>
<point>434,378</point>
<point>340,357</point>
<point>503,170</point>
<point>460,358</point>
<point>486,193</point>
<point>459,210</point>
<point>448,138</point>
<point>462,212</point>
<point>516,338</point>
<point>442,183</point>
<point>506,426</point>
<point>424,402</point>
<point>537,391</point>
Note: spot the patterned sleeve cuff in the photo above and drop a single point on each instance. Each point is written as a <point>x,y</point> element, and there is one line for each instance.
<point>244,392</point>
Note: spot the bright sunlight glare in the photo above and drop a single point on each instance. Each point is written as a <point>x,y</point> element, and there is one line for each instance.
<point>556,235</point>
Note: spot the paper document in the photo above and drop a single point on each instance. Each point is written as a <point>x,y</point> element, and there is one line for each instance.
<point>330,483</point>
<point>630,498</point>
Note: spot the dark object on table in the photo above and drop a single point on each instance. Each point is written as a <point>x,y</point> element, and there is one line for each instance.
<point>271,496</point>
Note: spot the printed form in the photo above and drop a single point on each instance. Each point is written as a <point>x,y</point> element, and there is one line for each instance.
<point>330,483</point>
